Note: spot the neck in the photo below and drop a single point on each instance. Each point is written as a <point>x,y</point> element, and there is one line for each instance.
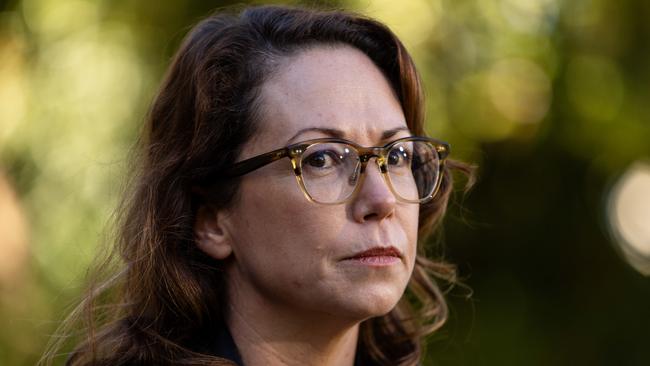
<point>269,333</point>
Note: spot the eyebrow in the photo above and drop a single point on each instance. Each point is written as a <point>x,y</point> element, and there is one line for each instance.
<point>334,132</point>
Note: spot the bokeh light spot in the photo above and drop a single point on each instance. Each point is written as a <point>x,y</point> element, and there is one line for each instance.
<point>629,216</point>
<point>55,18</point>
<point>413,21</point>
<point>530,16</point>
<point>520,90</point>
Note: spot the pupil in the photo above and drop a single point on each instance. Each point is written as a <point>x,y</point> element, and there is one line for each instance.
<point>317,161</point>
<point>393,158</point>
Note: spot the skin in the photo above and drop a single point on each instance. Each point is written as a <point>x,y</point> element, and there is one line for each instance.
<point>293,298</point>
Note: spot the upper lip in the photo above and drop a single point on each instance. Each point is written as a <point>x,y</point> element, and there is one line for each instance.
<point>378,252</point>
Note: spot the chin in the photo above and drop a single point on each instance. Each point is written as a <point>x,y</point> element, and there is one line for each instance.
<point>373,302</point>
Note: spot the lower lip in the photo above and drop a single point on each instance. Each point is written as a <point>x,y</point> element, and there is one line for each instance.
<point>376,261</point>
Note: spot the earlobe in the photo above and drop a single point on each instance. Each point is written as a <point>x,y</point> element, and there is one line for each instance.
<point>211,235</point>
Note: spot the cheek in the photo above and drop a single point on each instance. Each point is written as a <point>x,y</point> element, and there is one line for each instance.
<point>283,244</point>
<point>277,226</point>
<point>409,223</point>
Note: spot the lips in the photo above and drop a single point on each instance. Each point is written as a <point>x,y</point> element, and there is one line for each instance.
<point>378,252</point>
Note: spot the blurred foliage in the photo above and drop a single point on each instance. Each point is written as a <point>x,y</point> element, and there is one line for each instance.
<point>548,97</point>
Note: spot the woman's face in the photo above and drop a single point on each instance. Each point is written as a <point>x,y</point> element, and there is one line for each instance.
<point>292,253</point>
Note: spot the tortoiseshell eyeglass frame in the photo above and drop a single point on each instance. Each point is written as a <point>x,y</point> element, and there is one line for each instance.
<point>294,152</point>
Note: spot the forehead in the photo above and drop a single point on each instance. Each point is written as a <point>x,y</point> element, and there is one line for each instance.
<point>335,87</point>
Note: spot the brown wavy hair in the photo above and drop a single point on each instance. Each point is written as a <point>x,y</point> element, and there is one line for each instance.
<point>155,297</point>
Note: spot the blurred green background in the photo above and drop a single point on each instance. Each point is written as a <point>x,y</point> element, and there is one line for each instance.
<point>550,98</point>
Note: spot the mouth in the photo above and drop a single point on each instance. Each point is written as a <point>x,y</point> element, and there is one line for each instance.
<point>377,256</point>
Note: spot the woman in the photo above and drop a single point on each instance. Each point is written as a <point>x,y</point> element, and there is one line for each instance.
<point>261,229</point>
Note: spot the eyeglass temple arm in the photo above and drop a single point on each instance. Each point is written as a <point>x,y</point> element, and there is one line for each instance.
<point>248,165</point>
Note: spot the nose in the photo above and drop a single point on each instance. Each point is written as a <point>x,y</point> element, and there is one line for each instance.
<point>374,199</point>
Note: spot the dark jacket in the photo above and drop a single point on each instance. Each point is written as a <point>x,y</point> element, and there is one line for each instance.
<point>225,347</point>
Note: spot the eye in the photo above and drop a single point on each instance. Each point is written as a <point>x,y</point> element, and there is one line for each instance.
<point>399,156</point>
<point>323,159</point>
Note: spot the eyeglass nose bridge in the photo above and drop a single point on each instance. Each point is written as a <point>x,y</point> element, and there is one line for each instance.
<point>357,178</point>
<point>373,152</point>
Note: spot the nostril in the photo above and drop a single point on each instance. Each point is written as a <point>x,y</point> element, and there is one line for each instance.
<point>370,216</point>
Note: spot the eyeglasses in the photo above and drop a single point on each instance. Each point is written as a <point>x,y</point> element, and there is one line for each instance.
<point>331,170</point>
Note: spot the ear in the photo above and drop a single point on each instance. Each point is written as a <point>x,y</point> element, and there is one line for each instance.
<point>211,234</point>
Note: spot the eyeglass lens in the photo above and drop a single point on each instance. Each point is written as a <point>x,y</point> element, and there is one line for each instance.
<point>330,171</point>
